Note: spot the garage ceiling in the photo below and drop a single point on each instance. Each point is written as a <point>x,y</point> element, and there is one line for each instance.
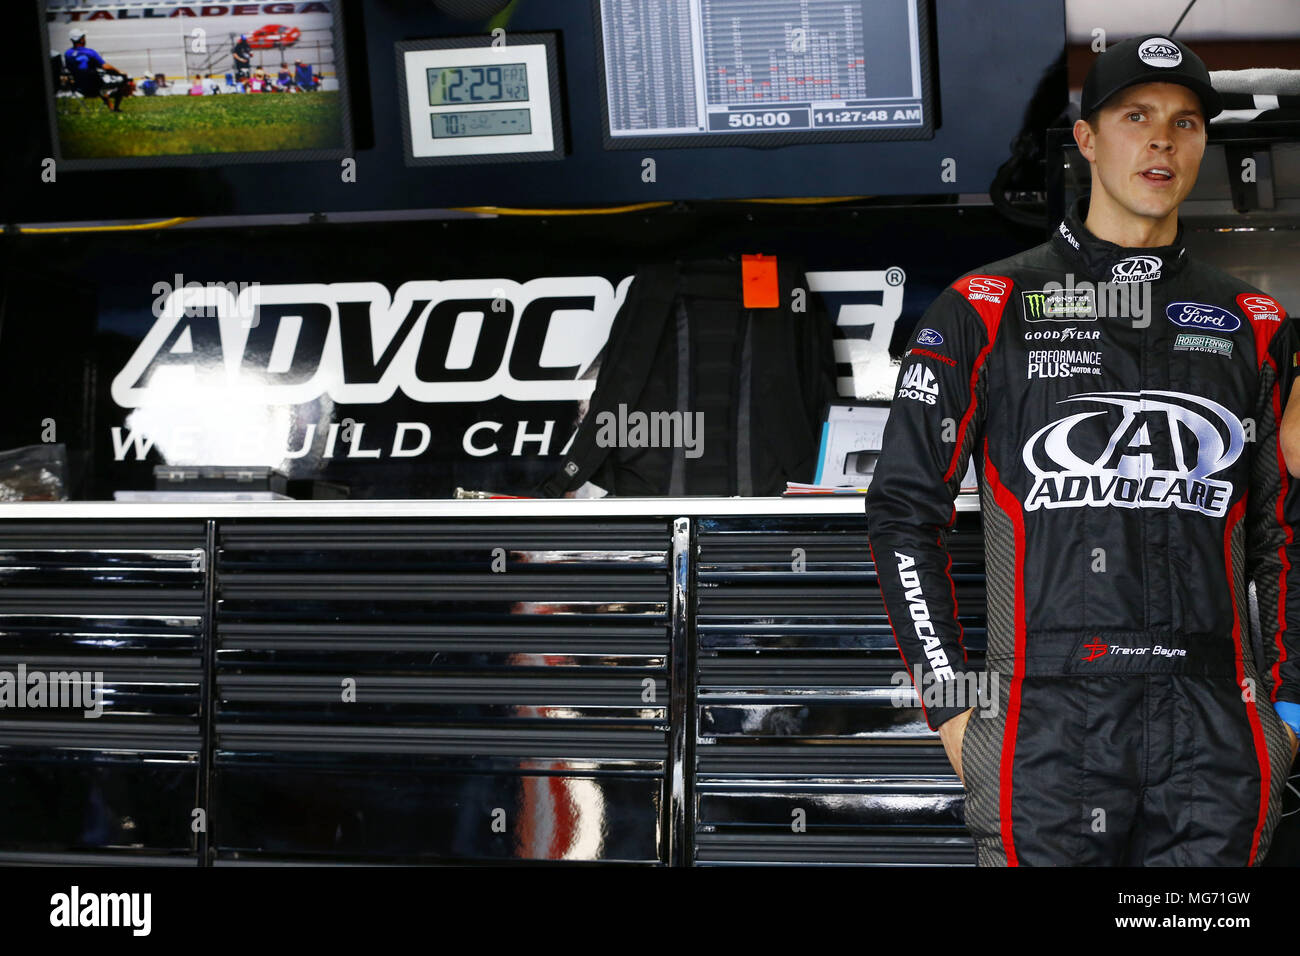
<point>1208,19</point>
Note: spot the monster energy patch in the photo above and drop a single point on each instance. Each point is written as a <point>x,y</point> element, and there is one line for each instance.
<point>1059,305</point>
<point>1192,342</point>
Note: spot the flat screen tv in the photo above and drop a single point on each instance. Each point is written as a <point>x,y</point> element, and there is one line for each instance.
<point>763,72</point>
<point>198,84</point>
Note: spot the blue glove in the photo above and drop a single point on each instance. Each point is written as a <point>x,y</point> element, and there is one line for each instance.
<point>1290,713</point>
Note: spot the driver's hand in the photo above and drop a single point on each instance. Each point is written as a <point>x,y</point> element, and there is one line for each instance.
<point>950,733</point>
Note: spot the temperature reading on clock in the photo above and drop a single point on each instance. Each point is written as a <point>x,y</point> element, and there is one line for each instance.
<point>496,83</point>
<point>482,123</point>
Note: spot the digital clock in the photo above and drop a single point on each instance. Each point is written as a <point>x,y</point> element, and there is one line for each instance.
<point>465,100</point>
<point>457,85</point>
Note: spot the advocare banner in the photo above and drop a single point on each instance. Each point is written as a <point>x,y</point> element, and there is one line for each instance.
<point>400,360</point>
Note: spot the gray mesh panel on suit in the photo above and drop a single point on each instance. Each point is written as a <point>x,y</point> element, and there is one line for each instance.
<point>982,744</point>
<point>981,765</point>
<point>1265,486</point>
<point>1275,736</point>
<point>1000,580</point>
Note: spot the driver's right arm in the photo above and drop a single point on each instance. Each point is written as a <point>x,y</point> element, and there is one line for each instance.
<point>935,421</point>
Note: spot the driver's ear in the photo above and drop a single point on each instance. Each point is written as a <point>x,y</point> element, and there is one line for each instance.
<point>1084,137</point>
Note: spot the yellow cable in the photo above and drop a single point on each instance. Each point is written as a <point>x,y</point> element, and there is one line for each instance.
<point>609,210</point>
<point>800,200</point>
<point>485,210</point>
<point>599,211</point>
<point>133,227</point>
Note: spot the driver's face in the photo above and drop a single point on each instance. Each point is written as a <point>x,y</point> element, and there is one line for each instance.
<point>1149,143</point>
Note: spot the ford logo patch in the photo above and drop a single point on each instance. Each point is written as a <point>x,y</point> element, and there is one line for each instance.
<point>1197,315</point>
<point>929,337</point>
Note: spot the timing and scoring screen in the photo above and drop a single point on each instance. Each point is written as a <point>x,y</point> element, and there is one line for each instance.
<point>687,72</point>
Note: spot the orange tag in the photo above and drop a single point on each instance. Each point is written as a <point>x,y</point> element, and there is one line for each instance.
<point>758,278</point>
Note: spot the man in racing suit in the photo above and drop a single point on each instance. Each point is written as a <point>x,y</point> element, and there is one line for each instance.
<point>1121,401</point>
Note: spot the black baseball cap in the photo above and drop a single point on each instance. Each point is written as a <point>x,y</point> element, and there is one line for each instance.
<point>1148,59</point>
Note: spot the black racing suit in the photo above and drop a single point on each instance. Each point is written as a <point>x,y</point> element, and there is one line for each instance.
<point>1124,429</point>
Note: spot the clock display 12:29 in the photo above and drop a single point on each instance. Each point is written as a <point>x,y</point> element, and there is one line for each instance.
<point>494,83</point>
<point>467,102</point>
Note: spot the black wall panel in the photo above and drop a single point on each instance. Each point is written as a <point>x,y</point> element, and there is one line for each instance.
<point>979,119</point>
<point>124,604</point>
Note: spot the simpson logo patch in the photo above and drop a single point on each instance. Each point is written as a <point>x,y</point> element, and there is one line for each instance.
<point>988,288</point>
<point>1260,307</point>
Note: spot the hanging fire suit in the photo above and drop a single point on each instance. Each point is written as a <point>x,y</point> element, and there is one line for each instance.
<point>1122,406</point>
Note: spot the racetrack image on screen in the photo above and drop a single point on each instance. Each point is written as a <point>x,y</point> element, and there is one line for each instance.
<point>172,125</point>
<point>173,79</point>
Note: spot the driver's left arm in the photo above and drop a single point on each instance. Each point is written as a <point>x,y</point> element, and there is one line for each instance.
<point>1272,520</point>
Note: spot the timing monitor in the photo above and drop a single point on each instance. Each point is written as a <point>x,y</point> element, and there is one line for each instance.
<point>763,72</point>
<point>172,83</point>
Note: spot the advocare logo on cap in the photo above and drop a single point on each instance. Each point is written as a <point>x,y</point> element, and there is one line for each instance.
<point>1161,52</point>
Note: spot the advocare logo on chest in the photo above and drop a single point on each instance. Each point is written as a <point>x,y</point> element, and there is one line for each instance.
<point>1137,269</point>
